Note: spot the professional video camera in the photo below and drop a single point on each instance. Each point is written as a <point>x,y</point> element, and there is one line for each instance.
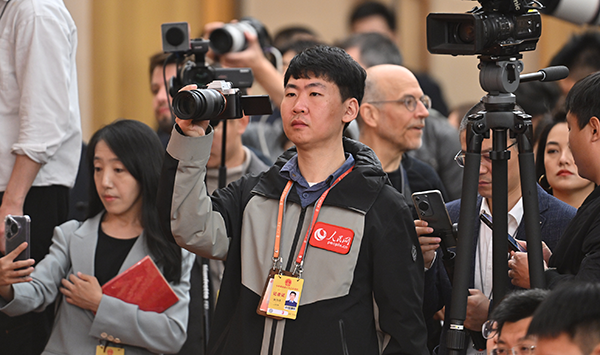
<point>176,40</point>
<point>221,99</point>
<point>496,28</point>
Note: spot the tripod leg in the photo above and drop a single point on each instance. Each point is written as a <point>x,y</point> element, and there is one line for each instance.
<point>456,337</point>
<point>531,212</point>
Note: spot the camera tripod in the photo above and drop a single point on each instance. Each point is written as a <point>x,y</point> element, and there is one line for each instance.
<point>499,77</point>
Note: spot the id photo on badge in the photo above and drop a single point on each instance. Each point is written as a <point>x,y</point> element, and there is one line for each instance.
<point>290,300</point>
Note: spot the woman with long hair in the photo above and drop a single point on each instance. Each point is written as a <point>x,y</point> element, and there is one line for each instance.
<point>124,159</point>
<point>555,167</point>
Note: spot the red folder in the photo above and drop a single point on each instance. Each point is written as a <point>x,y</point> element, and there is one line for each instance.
<point>142,284</point>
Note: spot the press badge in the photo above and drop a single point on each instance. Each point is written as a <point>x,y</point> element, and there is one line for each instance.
<point>285,296</point>
<point>109,350</point>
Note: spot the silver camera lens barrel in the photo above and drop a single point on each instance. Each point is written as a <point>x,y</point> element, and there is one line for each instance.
<point>231,37</point>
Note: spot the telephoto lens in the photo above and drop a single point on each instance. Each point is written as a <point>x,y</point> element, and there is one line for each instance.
<point>199,104</point>
<point>231,37</point>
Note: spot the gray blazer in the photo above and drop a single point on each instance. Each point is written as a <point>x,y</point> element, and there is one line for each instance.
<point>77,331</point>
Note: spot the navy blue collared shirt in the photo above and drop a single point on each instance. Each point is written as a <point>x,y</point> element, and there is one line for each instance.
<point>309,194</point>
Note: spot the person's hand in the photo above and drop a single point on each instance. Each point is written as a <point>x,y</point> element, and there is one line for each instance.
<point>428,244</point>
<point>546,252</point>
<point>192,128</point>
<point>251,57</point>
<point>9,268</point>
<point>477,310</point>
<point>83,291</point>
<point>519,269</point>
<point>12,272</point>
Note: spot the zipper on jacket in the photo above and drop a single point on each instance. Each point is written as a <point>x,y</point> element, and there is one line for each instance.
<point>291,258</point>
<point>343,337</point>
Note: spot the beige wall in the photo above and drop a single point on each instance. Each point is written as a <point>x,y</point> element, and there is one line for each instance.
<point>116,38</point>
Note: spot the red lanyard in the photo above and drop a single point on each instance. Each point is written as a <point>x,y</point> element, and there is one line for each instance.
<point>282,199</point>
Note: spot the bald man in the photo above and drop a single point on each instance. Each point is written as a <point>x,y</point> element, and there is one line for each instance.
<point>391,121</point>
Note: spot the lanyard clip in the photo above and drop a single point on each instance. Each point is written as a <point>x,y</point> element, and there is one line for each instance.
<point>298,270</point>
<point>277,263</point>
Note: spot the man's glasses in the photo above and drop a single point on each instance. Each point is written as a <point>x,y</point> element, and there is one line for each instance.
<point>460,157</point>
<point>489,329</point>
<point>517,350</point>
<point>409,101</point>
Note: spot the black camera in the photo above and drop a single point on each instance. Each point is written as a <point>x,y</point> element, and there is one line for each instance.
<point>231,38</point>
<point>497,28</point>
<point>218,101</point>
<point>176,40</point>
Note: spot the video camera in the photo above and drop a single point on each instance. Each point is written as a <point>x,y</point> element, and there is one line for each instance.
<point>496,28</point>
<point>218,96</point>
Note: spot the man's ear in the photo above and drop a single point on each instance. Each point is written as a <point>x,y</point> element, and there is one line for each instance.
<point>595,128</point>
<point>369,114</point>
<point>352,108</point>
<point>596,350</point>
<point>243,124</point>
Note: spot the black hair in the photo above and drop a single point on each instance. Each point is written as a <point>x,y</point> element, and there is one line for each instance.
<point>581,54</point>
<point>139,149</point>
<point>332,64</point>
<point>291,34</point>
<point>300,45</point>
<point>540,168</point>
<point>293,293</point>
<point>373,8</point>
<point>517,305</point>
<point>536,97</point>
<point>375,49</point>
<point>583,100</point>
<point>572,309</point>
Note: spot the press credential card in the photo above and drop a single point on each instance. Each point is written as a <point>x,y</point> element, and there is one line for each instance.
<point>285,296</point>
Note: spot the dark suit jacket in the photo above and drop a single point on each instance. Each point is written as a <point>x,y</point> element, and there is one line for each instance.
<point>578,251</point>
<point>555,215</point>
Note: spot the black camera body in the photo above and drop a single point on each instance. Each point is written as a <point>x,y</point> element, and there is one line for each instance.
<point>497,28</point>
<point>218,101</point>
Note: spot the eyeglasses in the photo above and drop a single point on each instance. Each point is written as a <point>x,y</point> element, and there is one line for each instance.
<point>489,329</point>
<point>517,350</point>
<point>409,101</point>
<point>460,157</point>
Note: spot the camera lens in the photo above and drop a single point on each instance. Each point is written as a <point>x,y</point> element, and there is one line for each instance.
<point>231,37</point>
<point>465,32</point>
<point>201,104</point>
<point>423,206</point>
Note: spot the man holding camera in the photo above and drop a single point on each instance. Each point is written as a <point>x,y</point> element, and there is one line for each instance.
<point>363,250</point>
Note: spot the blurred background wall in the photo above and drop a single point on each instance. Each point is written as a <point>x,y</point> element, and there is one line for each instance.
<point>116,38</point>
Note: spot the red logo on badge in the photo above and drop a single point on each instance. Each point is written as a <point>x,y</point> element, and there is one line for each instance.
<point>288,282</point>
<point>333,238</point>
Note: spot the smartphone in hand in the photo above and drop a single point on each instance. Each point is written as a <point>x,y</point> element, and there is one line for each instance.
<point>17,231</point>
<point>431,208</point>
<point>512,243</point>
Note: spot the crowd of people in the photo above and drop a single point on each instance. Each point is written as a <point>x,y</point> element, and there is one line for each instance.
<point>292,232</point>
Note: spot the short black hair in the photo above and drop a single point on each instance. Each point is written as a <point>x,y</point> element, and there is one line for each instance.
<point>293,293</point>
<point>375,49</point>
<point>332,64</point>
<point>517,305</point>
<point>374,8</point>
<point>290,34</point>
<point>581,54</point>
<point>583,100</point>
<point>572,309</point>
